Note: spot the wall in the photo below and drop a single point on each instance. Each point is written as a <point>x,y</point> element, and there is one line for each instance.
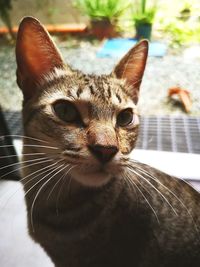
<point>47,11</point>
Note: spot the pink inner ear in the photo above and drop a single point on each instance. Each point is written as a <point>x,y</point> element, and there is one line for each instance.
<point>36,54</point>
<point>131,67</point>
<point>40,54</point>
<point>35,59</point>
<point>133,72</point>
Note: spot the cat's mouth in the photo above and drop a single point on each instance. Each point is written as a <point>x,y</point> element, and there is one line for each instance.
<point>93,176</point>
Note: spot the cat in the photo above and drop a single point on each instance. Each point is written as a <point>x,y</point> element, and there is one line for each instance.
<point>88,203</point>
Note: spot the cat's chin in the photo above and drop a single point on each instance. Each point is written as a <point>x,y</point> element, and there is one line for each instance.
<point>94,178</point>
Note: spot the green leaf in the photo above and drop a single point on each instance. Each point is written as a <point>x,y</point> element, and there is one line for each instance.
<point>102,8</point>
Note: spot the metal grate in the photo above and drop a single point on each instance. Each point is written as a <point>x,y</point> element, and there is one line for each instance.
<point>14,121</point>
<point>164,133</point>
<point>167,133</point>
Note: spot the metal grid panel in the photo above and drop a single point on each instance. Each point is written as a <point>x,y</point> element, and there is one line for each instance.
<point>167,133</point>
<point>14,120</point>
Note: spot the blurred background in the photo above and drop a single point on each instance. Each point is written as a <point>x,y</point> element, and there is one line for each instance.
<point>92,36</point>
<point>172,26</point>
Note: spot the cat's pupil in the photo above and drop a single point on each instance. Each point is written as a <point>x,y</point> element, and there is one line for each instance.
<point>65,111</point>
<point>125,118</point>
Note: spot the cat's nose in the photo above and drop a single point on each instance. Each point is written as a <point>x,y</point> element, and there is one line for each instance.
<point>103,153</point>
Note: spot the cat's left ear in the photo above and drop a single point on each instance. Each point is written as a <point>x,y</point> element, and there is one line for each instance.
<point>131,68</point>
<point>36,55</point>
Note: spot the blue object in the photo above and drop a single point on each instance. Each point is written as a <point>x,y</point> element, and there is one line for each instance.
<point>118,47</point>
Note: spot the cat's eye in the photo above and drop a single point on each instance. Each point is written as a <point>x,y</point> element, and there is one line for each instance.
<point>66,111</point>
<point>125,118</point>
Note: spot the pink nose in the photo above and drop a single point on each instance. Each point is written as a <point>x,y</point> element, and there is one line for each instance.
<point>103,153</point>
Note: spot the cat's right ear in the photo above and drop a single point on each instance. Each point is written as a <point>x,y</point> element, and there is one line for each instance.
<point>36,55</point>
<point>131,68</point>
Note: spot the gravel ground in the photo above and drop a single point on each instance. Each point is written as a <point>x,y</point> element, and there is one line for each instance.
<point>160,74</point>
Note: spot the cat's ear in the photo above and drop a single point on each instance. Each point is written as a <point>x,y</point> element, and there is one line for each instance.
<point>36,55</point>
<point>131,68</point>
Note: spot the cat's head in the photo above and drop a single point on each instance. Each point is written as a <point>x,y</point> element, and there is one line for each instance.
<point>92,121</point>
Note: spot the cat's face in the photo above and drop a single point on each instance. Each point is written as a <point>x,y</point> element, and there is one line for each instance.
<point>91,120</point>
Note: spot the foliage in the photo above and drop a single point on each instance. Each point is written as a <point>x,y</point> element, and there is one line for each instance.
<point>177,30</point>
<point>5,7</point>
<point>42,4</point>
<point>181,32</point>
<point>143,13</point>
<point>101,9</point>
<point>187,5</point>
<point>48,7</point>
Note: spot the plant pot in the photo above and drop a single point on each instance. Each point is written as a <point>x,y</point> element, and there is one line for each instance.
<point>143,31</point>
<point>102,29</point>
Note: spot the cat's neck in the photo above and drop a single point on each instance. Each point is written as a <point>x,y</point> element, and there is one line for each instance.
<point>80,204</point>
<point>67,192</point>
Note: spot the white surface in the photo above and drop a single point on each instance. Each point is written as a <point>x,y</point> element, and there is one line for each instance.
<point>18,146</point>
<point>178,164</point>
<point>16,247</point>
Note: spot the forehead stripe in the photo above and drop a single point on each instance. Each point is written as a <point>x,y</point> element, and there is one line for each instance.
<point>118,97</point>
<point>109,92</point>
<point>91,89</point>
<point>79,91</point>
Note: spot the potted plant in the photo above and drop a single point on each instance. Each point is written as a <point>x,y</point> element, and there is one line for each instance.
<point>143,16</point>
<point>103,15</point>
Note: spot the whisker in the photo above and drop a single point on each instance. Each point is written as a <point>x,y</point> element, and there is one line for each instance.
<point>30,145</point>
<point>49,167</point>
<point>158,181</point>
<point>46,167</point>
<point>171,192</point>
<point>56,184</point>
<point>22,167</point>
<point>61,188</point>
<point>22,136</point>
<point>134,184</point>
<point>138,174</point>
<point>27,154</point>
<point>40,173</point>
<point>59,192</point>
<point>41,179</point>
<point>68,186</point>
<point>38,192</point>
<point>187,183</point>
<point>22,162</point>
<point>127,160</point>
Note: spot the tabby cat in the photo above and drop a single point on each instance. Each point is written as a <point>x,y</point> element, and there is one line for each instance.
<point>88,203</point>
